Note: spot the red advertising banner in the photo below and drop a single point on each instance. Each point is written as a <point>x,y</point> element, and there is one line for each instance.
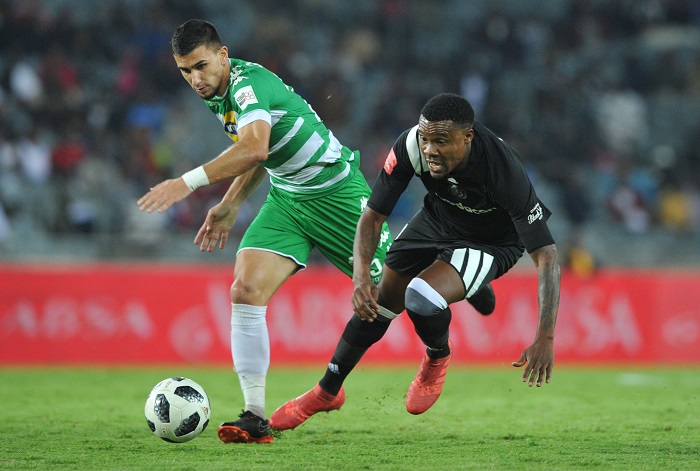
<point>150,314</point>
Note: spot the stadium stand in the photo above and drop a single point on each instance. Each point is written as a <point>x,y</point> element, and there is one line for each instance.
<point>601,98</point>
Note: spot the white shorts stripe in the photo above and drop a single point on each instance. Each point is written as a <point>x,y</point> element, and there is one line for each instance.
<point>485,267</point>
<point>472,267</point>
<point>472,276</point>
<point>457,259</point>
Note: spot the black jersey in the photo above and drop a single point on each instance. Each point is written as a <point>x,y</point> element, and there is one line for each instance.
<point>490,202</point>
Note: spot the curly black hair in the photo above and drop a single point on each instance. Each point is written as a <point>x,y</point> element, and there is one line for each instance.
<point>449,107</point>
<point>192,34</point>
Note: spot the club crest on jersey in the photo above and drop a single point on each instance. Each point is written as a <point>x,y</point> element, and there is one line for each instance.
<point>455,190</point>
<point>245,96</point>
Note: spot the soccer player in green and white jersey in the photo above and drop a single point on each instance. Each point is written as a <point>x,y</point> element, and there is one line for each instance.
<point>316,197</point>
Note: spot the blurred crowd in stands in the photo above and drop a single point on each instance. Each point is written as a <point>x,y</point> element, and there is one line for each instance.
<point>600,97</point>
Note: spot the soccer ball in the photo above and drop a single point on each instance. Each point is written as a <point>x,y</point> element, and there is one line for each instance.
<point>177,410</point>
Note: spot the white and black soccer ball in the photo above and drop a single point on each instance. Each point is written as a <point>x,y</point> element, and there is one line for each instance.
<point>177,410</point>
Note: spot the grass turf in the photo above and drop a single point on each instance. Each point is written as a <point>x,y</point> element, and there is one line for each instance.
<point>605,418</point>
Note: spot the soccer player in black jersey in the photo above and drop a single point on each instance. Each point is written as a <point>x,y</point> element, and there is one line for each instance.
<point>479,215</point>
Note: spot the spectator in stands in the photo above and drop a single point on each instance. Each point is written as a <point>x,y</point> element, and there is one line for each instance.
<point>626,202</point>
<point>577,257</point>
<point>571,54</point>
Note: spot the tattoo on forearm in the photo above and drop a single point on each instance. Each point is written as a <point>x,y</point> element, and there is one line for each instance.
<point>549,273</point>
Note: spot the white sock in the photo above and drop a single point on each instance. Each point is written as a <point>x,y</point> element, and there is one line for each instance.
<point>250,348</point>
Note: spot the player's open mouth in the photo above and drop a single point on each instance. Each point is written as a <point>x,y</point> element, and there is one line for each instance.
<point>434,165</point>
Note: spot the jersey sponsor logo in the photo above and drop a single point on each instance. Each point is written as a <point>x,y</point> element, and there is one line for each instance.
<point>535,214</point>
<point>465,208</point>
<point>230,126</point>
<point>390,162</point>
<point>245,96</point>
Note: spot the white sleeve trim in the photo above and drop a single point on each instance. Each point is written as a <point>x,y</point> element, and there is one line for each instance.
<point>255,115</point>
<point>414,152</point>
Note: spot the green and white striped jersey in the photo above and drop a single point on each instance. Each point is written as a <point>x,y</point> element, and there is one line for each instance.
<point>305,159</point>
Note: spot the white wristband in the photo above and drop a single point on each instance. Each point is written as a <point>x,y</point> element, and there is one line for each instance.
<point>196,178</point>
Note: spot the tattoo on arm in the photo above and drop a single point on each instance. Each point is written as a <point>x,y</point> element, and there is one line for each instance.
<point>549,274</point>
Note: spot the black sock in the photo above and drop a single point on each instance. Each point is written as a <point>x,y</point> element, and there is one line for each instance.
<point>357,337</point>
<point>436,353</point>
<point>434,331</point>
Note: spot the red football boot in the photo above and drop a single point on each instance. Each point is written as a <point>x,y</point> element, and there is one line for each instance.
<point>293,413</point>
<point>427,385</point>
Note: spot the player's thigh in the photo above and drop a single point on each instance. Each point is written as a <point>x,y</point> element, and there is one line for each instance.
<point>400,267</point>
<point>442,277</point>
<point>272,249</point>
<point>258,275</point>
<point>276,229</point>
<point>392,289</point>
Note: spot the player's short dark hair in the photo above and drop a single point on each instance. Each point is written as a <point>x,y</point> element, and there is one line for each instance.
<point>192,34</point>
<point>449,107</point>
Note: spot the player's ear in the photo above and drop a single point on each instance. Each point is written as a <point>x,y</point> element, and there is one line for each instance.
<point>469,135</point>
<point>223,55</point>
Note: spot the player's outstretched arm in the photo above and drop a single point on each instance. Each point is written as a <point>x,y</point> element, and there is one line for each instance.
<point>538,358</point>
<point>250,150</point>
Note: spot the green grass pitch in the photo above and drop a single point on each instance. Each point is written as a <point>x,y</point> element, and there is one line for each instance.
<point>635,418</point>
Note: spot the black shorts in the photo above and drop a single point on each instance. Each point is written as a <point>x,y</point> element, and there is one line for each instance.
<point>423,241</point>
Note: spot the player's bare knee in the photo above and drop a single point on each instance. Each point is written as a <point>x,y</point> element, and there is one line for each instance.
<point>423,299</point>
<point>243,292</point>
